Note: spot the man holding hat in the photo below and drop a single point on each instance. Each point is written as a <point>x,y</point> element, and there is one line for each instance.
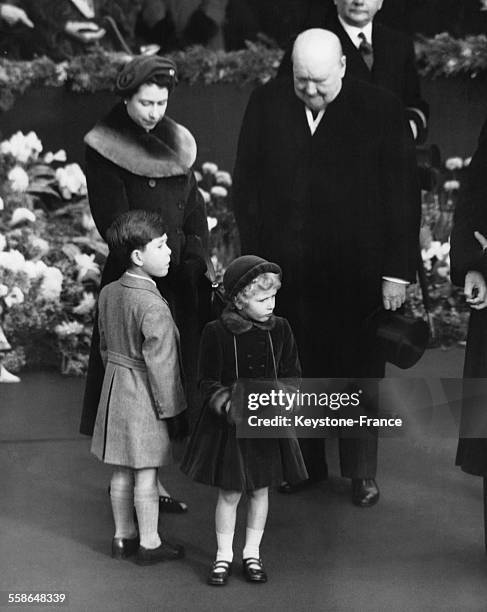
<point>320,180</point>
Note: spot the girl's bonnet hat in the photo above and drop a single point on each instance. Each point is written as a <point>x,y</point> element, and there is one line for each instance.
<point>242,272</point>
<point>141,69</point>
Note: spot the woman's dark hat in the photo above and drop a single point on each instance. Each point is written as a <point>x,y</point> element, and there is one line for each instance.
<point>243,270</point>
<point>143,68</point>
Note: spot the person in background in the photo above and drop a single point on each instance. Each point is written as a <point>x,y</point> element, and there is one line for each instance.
<point>65,28</point>
<point>469,270</point>
<point>175,24</point>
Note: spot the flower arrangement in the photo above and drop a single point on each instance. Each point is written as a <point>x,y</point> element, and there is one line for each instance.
<point>438,56</point>
<point>216,186</point>
<point>448,310</point>
<point>51,254</point>
<point>444,55</point>
<point>47,249</point>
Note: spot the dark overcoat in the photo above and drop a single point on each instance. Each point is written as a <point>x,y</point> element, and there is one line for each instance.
<point>127,168</point>
<point>139,346</point>
<point>466,255</point>
<point>331,209</point>
<point>214,455</point>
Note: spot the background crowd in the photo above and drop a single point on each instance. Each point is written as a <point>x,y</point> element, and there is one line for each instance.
<point>63,28</point>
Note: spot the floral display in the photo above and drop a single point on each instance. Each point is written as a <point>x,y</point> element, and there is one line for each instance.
<point>438,56</point>
<point>448,310</point>
<point>51,254</point>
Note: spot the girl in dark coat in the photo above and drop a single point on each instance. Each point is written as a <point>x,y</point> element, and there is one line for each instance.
<point>248,341</point>
<point>138,158</point>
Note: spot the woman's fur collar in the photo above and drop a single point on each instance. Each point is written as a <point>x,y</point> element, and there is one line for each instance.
<point>167,150</point>
<point>238,324</point>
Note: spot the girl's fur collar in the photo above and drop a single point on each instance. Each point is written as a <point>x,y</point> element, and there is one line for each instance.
<point>238,324</point>
<point>167,150</point>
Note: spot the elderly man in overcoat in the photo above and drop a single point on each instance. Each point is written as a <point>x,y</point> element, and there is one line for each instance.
<point>320,187</point>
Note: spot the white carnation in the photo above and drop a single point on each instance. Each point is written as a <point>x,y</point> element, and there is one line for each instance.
<point>20,215</point>
<point>12,260</point>
<point>71,328</point>
<point>19,179</point>
<point>86,305</point>
<point>52,283</point>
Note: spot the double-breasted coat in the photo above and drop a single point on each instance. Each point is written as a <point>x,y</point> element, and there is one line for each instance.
<point>467,255</point>
<point>128,168</point>
<point>234,347</point>
<point>139,346</point>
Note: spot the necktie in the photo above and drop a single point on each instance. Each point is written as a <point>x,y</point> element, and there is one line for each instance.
<point>366,51</point>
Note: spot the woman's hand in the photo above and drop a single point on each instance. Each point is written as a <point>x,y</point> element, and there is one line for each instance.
<point>475,290</point>
<point>84,31</point>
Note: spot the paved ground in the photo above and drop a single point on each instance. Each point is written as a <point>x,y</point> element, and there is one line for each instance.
<point>420,549</point>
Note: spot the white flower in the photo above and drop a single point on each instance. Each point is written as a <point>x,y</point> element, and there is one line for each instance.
<point>22,147</point>
<point>212,222</point>
<point>2,205</point>
<point>87,222</point>
<point>52,284</point>
<point>59,156</point>
<point>454,163</point>
<point>12,260</point>
<point>40,245</point>
<point>34,269</point>
<point>205,195</point>
<point>71,181</point>
<point>3,242</point>
<point>72,328</point>
<point>3,290</point>
<point>86,305</point>
<point>20,215</point>
<point>223,178</point>
<point>466,162</point>
<point>451,185</point>
<point>14,297</point>
<point>198,176</point>
<point>436,249</point>
<point>218,191</point>
<point>86,264</point>
<point>209,168</point>
<point>19,179</point>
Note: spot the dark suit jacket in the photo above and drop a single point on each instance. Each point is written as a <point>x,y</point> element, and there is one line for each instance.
<point>329,208</point>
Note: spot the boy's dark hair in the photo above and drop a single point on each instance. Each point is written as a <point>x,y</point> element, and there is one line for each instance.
<point>133,230</point>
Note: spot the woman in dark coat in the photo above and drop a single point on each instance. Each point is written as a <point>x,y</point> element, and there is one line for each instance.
<point>137,157</point>
<point>469,269</point>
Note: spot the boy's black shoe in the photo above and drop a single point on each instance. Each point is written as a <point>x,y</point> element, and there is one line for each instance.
<point>124,547</point>
<point>164,552</point>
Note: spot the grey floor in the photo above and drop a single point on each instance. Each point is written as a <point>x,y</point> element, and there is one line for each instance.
<point>420,548</point>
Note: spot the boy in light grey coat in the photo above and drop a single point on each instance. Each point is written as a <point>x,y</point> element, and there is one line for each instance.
<point>142,398</point>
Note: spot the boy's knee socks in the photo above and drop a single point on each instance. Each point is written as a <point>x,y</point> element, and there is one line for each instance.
<point>122,500</point>
<point>146,502</point>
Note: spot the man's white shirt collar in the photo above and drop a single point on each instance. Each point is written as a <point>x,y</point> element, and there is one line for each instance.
<point>353,32</point>
<point>314,122</point>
